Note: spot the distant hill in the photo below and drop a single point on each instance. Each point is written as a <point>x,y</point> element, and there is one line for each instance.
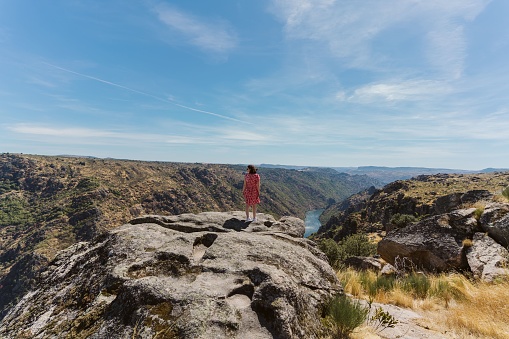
<point>389,174</point>
<point>48,203</point>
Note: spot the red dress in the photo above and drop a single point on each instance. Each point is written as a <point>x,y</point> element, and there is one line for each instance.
<point>251,193</point>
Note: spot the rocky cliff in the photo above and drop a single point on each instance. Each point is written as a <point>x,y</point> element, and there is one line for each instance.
<point>208,275</point>
<point>426,195</point>
<point>435,223</point>
<point>50,203</point>
<point>469,240</point>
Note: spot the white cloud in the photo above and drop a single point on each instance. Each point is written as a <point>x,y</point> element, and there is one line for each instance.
<point>349,28</point>
<point>215,37</point>
<point>447,50</point>
<point>240,135</point>
<point>199,135</point>
<point>41,82</point>
<point>97,136</point>
<point>398,91</point>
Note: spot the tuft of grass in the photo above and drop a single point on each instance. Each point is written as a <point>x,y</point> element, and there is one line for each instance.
<point>416,284</point>
<point>479,208</point>
<point>342,316</point>
<point>467,243</point>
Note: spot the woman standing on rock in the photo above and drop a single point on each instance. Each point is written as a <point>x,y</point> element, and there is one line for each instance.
<point>251,191</point>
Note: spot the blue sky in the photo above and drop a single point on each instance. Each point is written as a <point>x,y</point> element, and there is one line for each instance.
<point>301,82</point>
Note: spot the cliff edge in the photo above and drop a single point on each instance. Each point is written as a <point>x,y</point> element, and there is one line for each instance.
<point>207,275</point>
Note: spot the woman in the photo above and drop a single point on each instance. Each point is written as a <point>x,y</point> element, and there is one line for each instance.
<point>251,191</point>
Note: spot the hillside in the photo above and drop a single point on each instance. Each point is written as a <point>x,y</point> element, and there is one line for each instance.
<point>49,203</point>
<point>425,195</point>
<point>387,175</point>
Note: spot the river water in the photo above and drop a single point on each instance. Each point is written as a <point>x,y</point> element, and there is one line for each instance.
<point>312,221</point>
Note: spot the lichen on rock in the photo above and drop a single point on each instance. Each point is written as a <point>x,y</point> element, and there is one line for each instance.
<point>187,276</point>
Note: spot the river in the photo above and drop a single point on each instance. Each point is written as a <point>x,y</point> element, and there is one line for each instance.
<point>312,221</point>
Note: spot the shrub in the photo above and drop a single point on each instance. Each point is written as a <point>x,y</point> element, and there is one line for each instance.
<point>14,211</point>
<point>331,249</point>
<point>7,186</point>
<point>505,192</point>
<point>354,245</point>
<point>343,315</point>
<point>402,220</point>
<point>87,184</point>
<point>357,245</point>
<point>382,319</point>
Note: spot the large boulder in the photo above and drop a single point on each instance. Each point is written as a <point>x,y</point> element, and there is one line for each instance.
<point>431,244</point>
<point>495,221</point>
<point>487,259</point>
<point>209,275</point>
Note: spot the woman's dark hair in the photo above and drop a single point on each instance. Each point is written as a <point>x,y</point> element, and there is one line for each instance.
<point>251,169</point>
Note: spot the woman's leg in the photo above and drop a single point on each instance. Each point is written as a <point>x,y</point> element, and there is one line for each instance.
<point>247,211</point>
<point>254,211</point>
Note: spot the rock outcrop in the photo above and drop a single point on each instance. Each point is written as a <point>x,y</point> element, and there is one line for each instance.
<point>419,197</point>
<point>487,259</point>
<point>495,221</point>
<point>431,244</point>
<point>208,275</point>
<point>450,202</point>
<point>438,243</point>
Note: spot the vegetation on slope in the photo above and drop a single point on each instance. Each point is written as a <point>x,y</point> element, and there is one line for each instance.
<point>449,303</point>
<point>425,195</point>
<point>49,203</point>
<point>453,304</point>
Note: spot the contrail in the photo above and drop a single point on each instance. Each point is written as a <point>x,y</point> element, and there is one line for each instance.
<point>143,93</point>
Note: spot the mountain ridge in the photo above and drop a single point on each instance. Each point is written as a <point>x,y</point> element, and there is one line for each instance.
<point>49,203</point>
<point>389,174</point>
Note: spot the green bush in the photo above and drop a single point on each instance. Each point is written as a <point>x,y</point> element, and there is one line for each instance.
<point>505,192</point>
<point>87,184</point>
<point>7,186</point>
<point>402,220</point>
<point>354,245</point>
<point>14,211</point>
<point>343,315</point>
<point>357,245</point>
<point>331,249</point>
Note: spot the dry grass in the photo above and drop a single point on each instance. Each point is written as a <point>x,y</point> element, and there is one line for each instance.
<point>427,191</point>
<point>484,314</point>
<point>452,303</point>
